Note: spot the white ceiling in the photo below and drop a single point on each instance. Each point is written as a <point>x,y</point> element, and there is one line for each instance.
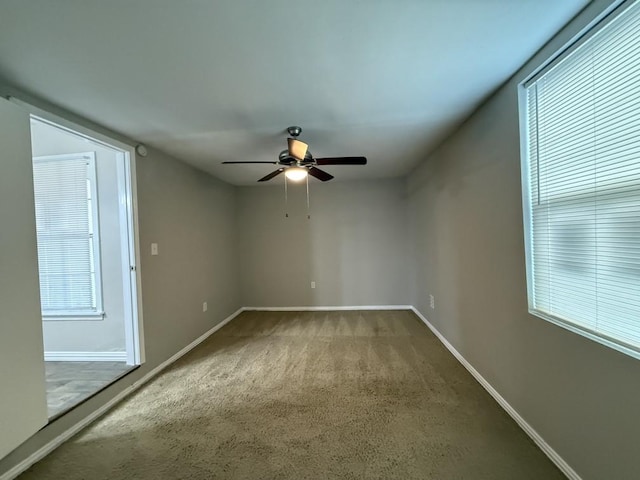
<point>208,81</point>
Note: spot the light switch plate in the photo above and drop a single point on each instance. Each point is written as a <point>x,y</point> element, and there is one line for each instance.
<point>154,249</point>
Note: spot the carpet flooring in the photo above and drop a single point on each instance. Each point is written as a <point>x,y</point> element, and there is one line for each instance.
<point>313,395</point>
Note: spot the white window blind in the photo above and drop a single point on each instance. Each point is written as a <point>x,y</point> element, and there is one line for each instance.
<point>66,217</point>
<point>583,181</point>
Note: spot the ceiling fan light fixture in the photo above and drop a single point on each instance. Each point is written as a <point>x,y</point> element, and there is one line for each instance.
<point>296,174</point>
<point>297,163</point>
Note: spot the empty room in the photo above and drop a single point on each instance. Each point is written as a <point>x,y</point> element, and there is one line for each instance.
<point>244,239</point>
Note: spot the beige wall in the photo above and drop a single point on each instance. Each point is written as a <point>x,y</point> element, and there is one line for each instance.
<point>22,377</point>
<point>354,246</point>
<point>467,229</point>
<point>191,216</point>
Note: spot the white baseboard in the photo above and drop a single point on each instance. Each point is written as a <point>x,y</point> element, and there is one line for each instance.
<point>56,442</point>
<point>529,430</point>
<point>328,308</point>
<point>60,439</point>
<point>85,356</point>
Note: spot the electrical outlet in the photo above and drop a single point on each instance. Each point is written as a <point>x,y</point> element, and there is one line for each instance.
<point>154,249</point>
<point>313,284</point>
<point>205,307</point>
<point>432,301</point>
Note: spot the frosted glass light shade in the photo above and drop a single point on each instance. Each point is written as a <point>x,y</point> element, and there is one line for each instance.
<point>296,173</point>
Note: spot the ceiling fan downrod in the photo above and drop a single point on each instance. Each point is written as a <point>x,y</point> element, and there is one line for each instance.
<point>294,131</point>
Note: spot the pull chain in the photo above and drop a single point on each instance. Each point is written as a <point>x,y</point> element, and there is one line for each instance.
<point>286,199</point>
<point>308,208</point>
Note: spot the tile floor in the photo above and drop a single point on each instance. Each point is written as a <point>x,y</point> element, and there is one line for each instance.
<point>70,383</point>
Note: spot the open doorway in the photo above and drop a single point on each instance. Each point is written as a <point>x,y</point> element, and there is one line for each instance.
<point>84,226</point>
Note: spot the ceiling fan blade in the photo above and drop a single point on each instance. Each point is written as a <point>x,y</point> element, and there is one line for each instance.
<point>342,161</point>
<point>297,149</point>
<point>320,174</point>
<point>272,163</point>
<point>275,173</point>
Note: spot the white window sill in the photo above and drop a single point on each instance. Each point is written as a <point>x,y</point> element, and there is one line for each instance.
<point>76,316</point>
<point>601,338</point>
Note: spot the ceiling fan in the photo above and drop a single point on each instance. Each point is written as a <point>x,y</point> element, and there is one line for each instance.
<point>297,162</point>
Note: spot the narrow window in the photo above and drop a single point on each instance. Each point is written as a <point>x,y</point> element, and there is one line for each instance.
<point>68,245</point>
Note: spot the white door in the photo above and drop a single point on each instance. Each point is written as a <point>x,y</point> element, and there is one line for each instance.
<point>23,401</point>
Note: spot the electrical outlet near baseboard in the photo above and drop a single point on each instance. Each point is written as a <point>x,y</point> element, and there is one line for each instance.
<point>432,301</point>
<point>313,284</point>
<point>205,307</point>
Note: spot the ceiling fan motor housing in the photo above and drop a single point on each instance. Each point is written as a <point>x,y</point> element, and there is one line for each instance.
<point>286,159</point>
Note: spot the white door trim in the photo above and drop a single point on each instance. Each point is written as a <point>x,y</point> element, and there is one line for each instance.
<point>134,331</point>
<point>130,252</point>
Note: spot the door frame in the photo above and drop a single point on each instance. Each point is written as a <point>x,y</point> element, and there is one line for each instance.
<point>128,215</point>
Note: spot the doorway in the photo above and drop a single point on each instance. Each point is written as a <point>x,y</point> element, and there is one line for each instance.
<point>86,262</point>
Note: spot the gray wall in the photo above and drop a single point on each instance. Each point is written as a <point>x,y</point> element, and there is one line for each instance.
<point>22,404</point>
<point>106,335</point>
<point>192,218</point>
<point>354,246</point>
<point>466,248</point>
<point>468,245</point>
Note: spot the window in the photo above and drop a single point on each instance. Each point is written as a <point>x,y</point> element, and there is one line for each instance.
<point>66,225</point>
<point>581,178</point>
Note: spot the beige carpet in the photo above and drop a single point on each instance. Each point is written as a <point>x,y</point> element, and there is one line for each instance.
<point>320,395</point>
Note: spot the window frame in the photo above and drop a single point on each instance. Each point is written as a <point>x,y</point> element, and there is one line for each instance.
<point>92,177</point>
<point>612,12</point>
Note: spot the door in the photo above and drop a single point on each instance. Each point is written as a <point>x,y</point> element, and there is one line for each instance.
<point>23,404</point>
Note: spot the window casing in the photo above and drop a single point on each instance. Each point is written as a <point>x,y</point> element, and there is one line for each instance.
<point>66,200</point>
<point>581,179</point>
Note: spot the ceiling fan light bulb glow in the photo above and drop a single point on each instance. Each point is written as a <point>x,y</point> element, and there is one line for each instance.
<point>296,174</point>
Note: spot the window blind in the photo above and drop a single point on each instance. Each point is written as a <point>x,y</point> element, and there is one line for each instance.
<point>64,226</point>
<point>583,149</point>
